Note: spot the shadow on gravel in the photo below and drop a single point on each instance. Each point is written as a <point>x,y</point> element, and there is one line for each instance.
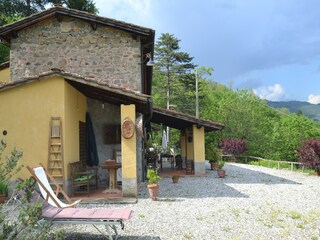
<point>211,186</point>
<point>192,187</point>
<point>92,236</point>
<point>242,175</point>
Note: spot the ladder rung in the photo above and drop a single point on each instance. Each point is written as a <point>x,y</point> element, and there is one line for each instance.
<point>58,176</point>
<point>59,182</point>
<point>55,159</point>
<point>55,167</point>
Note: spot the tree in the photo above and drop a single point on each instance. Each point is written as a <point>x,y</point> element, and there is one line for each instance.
<point>4,53</point>
<point>21,7</point>
<point>288,133</point>
<point>14,10</point>
<point>82,5</point>
<point>309,154</point>
<point>233,146</point>
<point>6,19</point>
<point>172,66</point>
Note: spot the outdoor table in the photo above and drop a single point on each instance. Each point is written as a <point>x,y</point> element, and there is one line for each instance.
<point>169,157</point>
<point>112,168</point>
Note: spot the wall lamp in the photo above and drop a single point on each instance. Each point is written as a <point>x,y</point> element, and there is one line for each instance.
<point>150,63</point>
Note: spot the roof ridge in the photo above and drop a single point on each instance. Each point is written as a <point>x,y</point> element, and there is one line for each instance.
<point>37,17</point>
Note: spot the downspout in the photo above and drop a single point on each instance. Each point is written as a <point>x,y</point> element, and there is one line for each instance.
<point>145,124</point>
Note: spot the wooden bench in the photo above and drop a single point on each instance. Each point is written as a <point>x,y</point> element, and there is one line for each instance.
<point>81,177</point>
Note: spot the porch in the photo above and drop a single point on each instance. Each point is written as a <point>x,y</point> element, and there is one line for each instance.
<point>98,196</point>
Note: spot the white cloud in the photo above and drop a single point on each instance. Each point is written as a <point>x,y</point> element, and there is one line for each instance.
<point>271,93</point>
<point>314,99</point>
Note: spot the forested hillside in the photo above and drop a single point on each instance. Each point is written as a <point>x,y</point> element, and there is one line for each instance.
<point>270,133</point>
<point>310,110</point>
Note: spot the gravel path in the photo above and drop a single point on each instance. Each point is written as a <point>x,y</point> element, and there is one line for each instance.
<point>250,203</point>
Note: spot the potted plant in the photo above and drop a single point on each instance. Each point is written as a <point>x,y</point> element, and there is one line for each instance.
<point>175,178</point>
<point>213,163</point>
<point>4,188</point>
<point>215,158</point>
<point>220,171</point>
<point>153,186</point>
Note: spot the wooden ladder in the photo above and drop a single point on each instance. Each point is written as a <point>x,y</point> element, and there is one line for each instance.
<point>55,156</point>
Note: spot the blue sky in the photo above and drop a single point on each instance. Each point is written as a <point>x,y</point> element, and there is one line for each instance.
<point>269,46</point>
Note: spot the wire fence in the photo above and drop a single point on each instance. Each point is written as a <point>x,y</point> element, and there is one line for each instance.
<point>279,164</point>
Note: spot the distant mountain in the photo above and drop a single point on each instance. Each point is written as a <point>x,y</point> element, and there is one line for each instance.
<point>310,110</point>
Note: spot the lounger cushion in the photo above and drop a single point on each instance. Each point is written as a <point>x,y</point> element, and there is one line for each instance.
<point>76,214</point>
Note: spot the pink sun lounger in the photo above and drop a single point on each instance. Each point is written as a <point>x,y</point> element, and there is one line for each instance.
<point>57,212</point>
<point>109,218</point>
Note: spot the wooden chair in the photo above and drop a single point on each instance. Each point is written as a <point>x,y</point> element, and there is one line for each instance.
<point>151,160</point>
<point>178,160</point>
<point>81,177</point>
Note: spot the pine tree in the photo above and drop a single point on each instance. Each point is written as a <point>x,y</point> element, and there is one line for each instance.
<point>171,68</point>
<point>172,65</point>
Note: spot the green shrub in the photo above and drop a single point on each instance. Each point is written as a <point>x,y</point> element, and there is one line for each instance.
<point>153,176</point>
<point>23,225</point>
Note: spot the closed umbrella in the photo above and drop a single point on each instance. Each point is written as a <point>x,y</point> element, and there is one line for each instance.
<point>164,140</point>
<point>92,153</point>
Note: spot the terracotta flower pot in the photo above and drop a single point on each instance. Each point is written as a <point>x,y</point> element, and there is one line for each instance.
<point>221,173</point>
<point>153,191</point>
<point>175,179</point>
<point>213,165</point>
<point>2,198</point>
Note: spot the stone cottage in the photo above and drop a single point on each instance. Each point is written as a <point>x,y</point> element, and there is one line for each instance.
<point>67,64</point>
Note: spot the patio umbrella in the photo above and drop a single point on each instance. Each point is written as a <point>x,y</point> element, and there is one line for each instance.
<point>92,153</point>
<point>164,141</point>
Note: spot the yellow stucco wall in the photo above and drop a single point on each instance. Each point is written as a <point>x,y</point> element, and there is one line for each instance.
<point>198,144</point>
<point>5,75</point>
<point>25,114</point>
<point>128,146</point>
<point>190,150</point>
<point>75,111</point>
<point>183,140</point>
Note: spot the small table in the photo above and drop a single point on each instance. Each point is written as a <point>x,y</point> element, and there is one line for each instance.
<point>169,157</point>
<point>112,168</point>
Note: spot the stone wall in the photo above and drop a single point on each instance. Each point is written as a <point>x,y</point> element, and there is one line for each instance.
<point>110,115</point>
<point>106,54</point>
<point>100,117</point>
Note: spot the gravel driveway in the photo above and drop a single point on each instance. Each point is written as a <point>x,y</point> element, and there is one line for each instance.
<point>250,203</point>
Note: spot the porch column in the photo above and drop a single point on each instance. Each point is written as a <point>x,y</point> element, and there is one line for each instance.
<point>129,155</point>
<point>183,142</point>
<point>190,144</point>
<point>199,150</point>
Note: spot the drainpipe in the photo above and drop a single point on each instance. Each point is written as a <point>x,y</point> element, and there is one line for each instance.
<point>147,121</point>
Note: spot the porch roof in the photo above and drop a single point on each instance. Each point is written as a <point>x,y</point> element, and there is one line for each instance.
<point>4,65</point>
<point>182,121</point>
<point>104,92</point>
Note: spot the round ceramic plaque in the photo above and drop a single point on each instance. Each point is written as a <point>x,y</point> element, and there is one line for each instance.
<point>127,128</point>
